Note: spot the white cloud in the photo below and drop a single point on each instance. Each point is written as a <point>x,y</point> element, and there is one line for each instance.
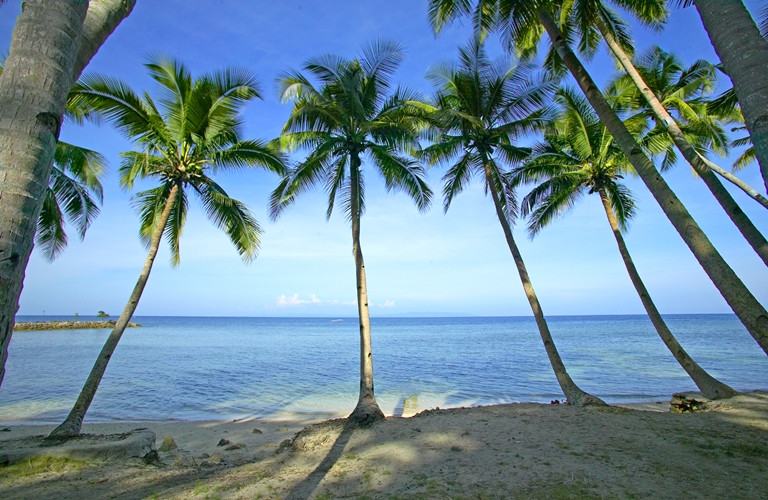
<point>294,300</point>
<point>388,303</point>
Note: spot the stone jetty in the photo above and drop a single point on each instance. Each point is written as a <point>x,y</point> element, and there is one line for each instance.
<point>67,325</point>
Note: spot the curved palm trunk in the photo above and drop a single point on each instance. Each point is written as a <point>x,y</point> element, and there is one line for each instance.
<point>74,421</point>
<point>753,236</point>
<point>749,190</point>
<point>708,385</point>
<point>367,409</point>
<point>746,307</point>
<point>42,64</point>
<point>575,395</point>
<point>744,54</point>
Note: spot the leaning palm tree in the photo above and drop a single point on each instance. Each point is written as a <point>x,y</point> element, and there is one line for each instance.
<point>345,118</point>
<point>523,22</point>
<point>743,52</point>
<point>578,157</point>
<point>692,129</point>
<point>481,108</point>
<point>73,191</point>
<point>191,132</point>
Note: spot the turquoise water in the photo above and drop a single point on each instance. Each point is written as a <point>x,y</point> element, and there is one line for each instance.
<point>192,368</point>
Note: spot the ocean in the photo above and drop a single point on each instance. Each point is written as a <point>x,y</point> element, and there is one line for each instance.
<point>201,368</point>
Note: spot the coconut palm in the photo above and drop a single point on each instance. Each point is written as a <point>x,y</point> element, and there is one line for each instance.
<point>693,130</point>
<point>578,157</point>
<point>481,108</point>
<point>190,133</point>
<point>73,191</point>
<point>523,22</point>
<point>744,54</point>
<point>344,118</point>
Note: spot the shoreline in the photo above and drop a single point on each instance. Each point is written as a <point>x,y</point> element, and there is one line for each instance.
<point>518,450</point>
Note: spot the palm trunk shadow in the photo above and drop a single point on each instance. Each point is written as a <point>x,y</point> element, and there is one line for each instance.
<point>305,488</point>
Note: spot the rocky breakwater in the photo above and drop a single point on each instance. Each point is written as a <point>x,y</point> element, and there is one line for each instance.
<point>67,325</point>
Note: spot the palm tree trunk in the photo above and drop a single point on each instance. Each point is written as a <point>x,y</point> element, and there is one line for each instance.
<point>749,190</point>
<point>744,54</point>
<point>575,395</point>
<point>746,307</point>
<point>753,236</point>
<point>74,421</point>
<point>367,409</point>
<point>708,385</point>
<point>42,64</point>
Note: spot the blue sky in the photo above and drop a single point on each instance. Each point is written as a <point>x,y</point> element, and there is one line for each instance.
<point>417,264</point>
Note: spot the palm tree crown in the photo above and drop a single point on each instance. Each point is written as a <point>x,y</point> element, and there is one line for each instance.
<point>191,132</point>
<point>349,115</point>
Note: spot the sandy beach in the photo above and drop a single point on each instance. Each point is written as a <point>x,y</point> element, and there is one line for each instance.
<point>505,451</point>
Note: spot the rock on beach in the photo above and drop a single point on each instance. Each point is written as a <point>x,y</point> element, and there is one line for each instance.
<point>67,325</point>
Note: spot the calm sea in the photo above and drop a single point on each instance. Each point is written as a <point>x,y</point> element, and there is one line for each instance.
<point>194,368</point>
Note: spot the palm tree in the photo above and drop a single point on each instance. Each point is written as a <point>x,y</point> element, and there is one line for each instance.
<point>73,189</point>
<point>524,21</point>
<point>193,132</point>
<point>72,186</point>
<point>481,109</point>
<point>579,156</point>
<point>665,84</point>
<point>347,116</point>
<point>744,54</point>
<point>64,36</point>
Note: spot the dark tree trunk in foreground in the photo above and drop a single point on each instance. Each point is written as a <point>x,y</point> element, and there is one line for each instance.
<point>51,44</point>
<point>744,54</point>
<point>575,395</point>
<point>749,311</point>
<point>367,410</point>
<point>708,385</point>
<point>74,421</point>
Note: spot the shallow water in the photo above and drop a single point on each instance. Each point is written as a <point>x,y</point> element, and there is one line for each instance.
<point>193,368</point>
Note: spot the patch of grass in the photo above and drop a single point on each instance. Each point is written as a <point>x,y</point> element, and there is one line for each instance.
<point>39,465</point>
<point>559,490</point>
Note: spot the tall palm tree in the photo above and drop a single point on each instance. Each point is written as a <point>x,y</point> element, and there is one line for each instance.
<point>577,157</point>
<point>73,191</point>
<point>191,132</point>
<point>744,54</point>
<point>666,85</point>
<point>341,120</point>
<point>63,36</point>
<point>524,21</point>
<point>481,109</point>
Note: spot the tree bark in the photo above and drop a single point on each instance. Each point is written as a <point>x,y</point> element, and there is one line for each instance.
<point>575,395</point>
<point>51,43</point>
<point>746,307</point>
<point>708,385</point>
<point>367,410</point>
<point>744,54</point>
<point>74,421</point>
<point>745,226</point>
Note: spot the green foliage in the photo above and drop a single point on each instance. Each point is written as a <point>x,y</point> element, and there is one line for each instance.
<point>41,465</point>
<point>346,117</point>
<point>102,314</point>
<point>190,132</point>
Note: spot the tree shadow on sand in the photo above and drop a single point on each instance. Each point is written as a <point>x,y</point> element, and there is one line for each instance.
<point>305,488</point>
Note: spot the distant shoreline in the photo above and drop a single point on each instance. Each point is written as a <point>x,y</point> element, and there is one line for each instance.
<point>66,325</point>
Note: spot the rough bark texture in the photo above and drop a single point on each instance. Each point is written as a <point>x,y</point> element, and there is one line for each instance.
<point>708,385</point>
<point>746,307</point>
<point>74,421</point>
<point>744,54</point>
<point>367,410</point>
<point>51,43</point>
<point>574,394</point>
<point>745,226</point>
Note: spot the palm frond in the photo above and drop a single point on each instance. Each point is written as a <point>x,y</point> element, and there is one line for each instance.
<point>233,217</point>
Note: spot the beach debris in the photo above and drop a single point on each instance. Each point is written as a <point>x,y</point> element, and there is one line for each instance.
<point>235,446</point>
<point>687,403</point>
<point>168,444</point>
<point>223,442</point>
<point>257,431</point>
<point>555,402</point>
